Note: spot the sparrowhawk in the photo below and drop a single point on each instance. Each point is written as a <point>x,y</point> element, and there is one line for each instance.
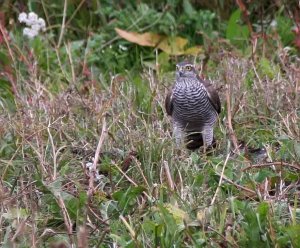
<point>194,106</point>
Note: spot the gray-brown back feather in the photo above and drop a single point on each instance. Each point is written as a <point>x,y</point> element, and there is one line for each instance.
<point>169,102</point>
<point>213,95</point>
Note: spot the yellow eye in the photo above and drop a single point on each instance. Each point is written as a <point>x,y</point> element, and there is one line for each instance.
<point>188,68</point>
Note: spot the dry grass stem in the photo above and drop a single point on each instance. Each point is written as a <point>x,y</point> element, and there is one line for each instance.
<point>63,24</point>
<point>220,180</point>
<point>168,175</point>
<point>232,135</point>
<point>262,165</point>
<point>94,168</point>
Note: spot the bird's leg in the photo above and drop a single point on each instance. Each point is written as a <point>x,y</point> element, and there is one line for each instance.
<point>208,135</point>
<point>179,135</point>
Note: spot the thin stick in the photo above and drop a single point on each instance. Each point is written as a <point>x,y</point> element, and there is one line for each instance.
<point>295,166</point>
<point>222,236</point>
<point>168,174</point>
<point>138,163</point>
<point>220,181</point>
<point>75,12</point>
<point>68,49</point>
<point>67,219</point>
<point>63,24</point>
<point>131,181</point>
<point>53,152</point>
<point>237,185</point>
<point>237,105</point>
<point>229,120</point>
<point>96,158</point>
<point>131,231</point>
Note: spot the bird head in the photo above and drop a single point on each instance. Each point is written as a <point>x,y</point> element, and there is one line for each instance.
<point>185,69</point>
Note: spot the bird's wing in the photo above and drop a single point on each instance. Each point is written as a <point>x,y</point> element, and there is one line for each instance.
<point>169,102</point>
<point>213,95</point>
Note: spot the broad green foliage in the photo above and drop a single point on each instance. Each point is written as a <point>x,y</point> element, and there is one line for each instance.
<point>126,200</point>
<point>285,26</point>
<point>236,32</point>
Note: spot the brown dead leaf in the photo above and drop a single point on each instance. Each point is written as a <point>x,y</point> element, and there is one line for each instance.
<point>170,45</point>
<point>145,39</point>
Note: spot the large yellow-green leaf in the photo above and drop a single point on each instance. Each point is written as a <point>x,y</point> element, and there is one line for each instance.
<point>179,215</point>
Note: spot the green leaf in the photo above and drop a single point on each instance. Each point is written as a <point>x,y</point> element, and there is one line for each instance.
<point>263,209</point>
<point>250,79</point>
<point>237,33</point>
<point>188,8</point>
<point>267,69</point>
<point>4,59</point>
<point>293,233</point>
<point>179,215</point>
<point>198,180</point>
<point>127,199</point>
<point>260,176</point>
<point>83,198</point>
<point>284,28</point>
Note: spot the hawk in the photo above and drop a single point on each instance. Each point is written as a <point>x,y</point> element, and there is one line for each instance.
<point>194,106</point>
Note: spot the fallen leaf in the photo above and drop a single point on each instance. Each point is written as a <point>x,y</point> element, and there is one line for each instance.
<point>145,39</point>
<point>170,45</point>
<point>173,45</point>
<point>179,215</point>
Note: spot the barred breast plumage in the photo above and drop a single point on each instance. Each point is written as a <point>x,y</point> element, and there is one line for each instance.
<point>194,106</point>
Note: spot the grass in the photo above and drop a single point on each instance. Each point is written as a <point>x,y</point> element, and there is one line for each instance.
<point>141,191</point>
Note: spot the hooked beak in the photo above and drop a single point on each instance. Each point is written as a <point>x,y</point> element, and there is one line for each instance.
<point>179,73</point>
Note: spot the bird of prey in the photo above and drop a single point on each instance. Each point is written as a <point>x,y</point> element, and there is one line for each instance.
<point>194,106</point>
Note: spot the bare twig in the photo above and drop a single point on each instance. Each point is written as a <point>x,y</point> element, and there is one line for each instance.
<point>63,25</point>
<point>131,181</point>
<point>20,229</point>
<point>229,120</point>
<point>220,181</point>
<point>168,174</point>
<point>75,12</point>
<point>53,152</point>
<point>138,163</point>
<point>96,158</point>
<point>131,231</point>
<point>223,237</point>
<point>255,166</point>
<point>68,49</point>
<point>237,185</point>
<point>237,105</point>
<point>82,237</point>
<point>67,219</point>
